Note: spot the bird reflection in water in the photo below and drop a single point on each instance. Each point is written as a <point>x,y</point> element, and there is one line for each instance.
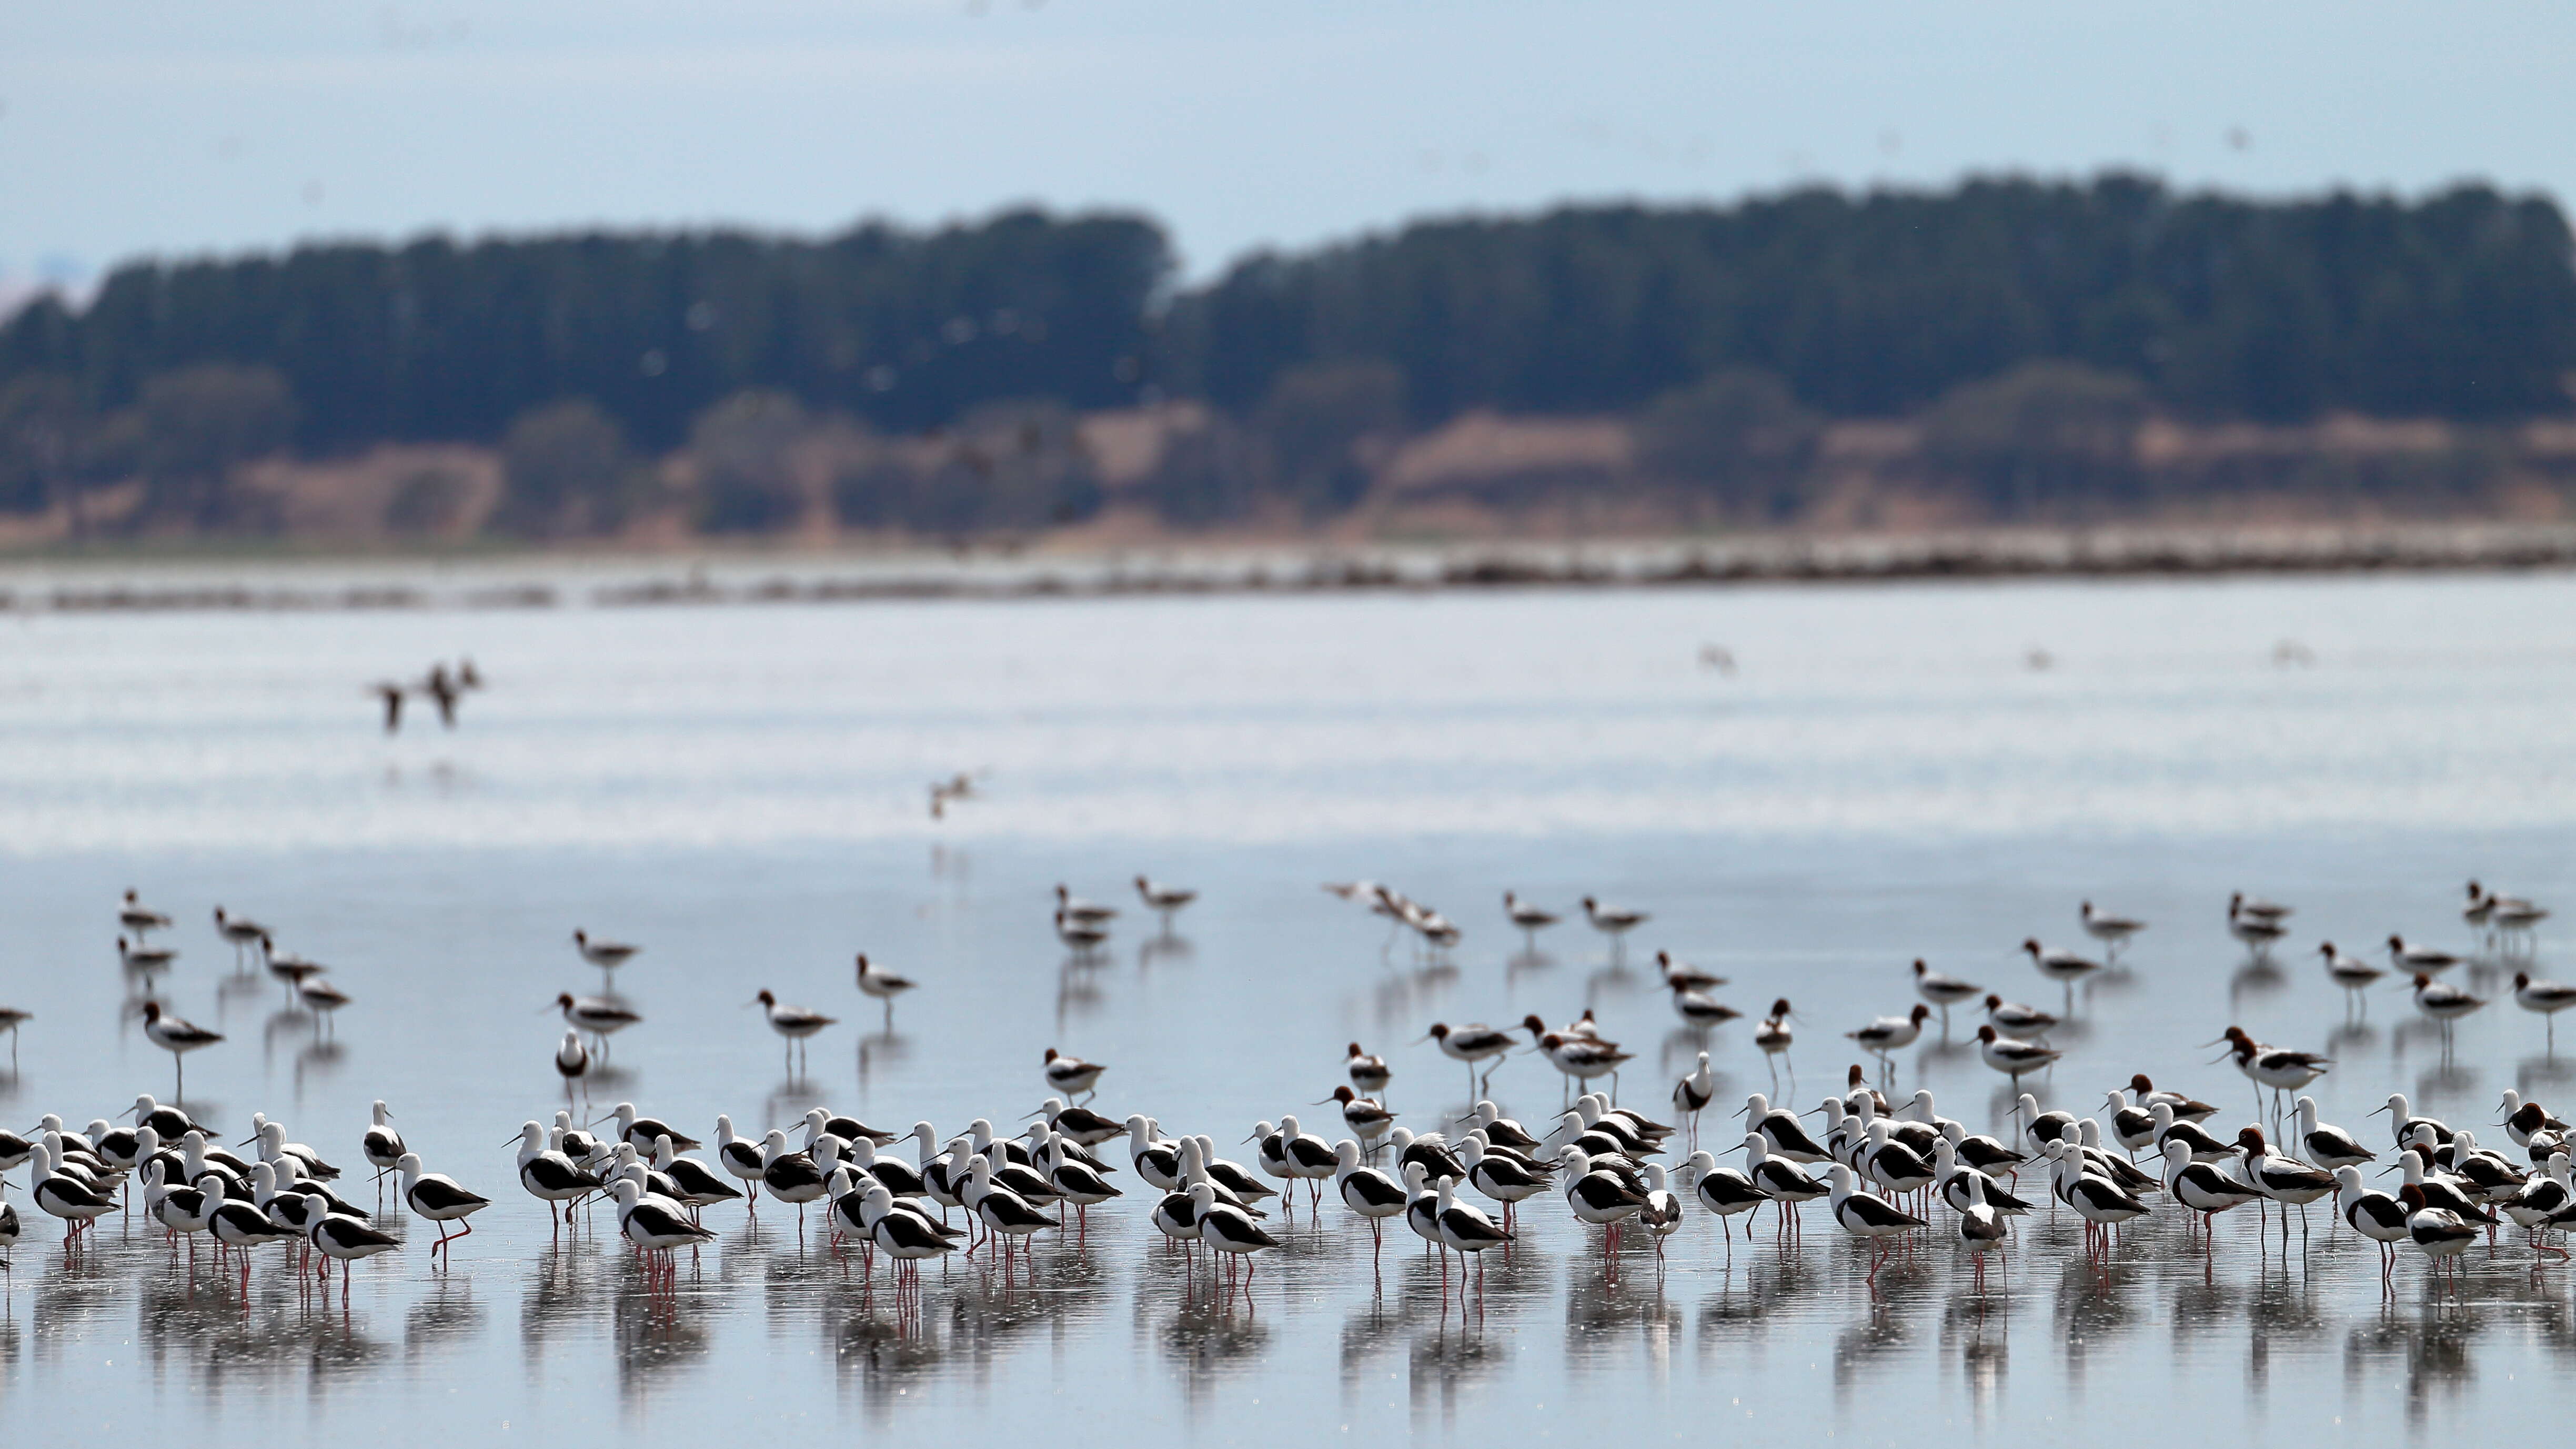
<point>881,1051</point>
<point>1975,1327</point>
<point>446,1320</point>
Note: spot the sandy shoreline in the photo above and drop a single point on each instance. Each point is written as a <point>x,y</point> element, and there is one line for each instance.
<point>541,581</point>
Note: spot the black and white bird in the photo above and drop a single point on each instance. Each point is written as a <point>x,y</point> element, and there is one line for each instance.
<point>652,1225</point>
<point>1463,1229</point>
<point>346,1240</point>
<point>2351,973</point>
<point>1943,992</point>
<point>2417,960</point>
<point>2013,1019</point>
<point>440,1199</point>
<point>2255,907</point>
<point>1164,900</point>
<point>606,955</point>
<point>2326,1146</point>
<point>135,916</point>
<point>597,1015</point>
<point>2257,932</point>
<point>1369,1074</point>
<point>1471,1044</point>
<point>2547,998</point>
<point>794,1024</point>
<point>1071,1075</point>
<point>885,986</point>
<point>1868,1217</point>
<point>1614,922</point>
<point>1692,1093</point>
<point>239,933</point>
<point>2201,1186</point>
<point>2061,966</point>
<point>2112,931</point>
<point>1366,1191</point>
<point>1981,1227</point>
<point>1682,976</point>
<point>178,1037</point>
<point>1886,1035</point>
<point>2439,1233</point>
<point>1073,909</point>
<point>638,1131</point>
<point>549,1176</point>
<point>1529,919</point>
<point>2443,1002</point>
<point>2377,1216</point>
<point>2013,1058</point>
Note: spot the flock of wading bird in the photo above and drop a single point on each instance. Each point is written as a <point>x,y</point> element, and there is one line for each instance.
<point>1890,1169</point>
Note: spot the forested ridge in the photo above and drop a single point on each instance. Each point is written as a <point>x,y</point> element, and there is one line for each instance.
<point>1729,333</point>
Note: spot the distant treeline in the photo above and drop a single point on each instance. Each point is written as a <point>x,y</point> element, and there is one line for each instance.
<point>1737,327</point>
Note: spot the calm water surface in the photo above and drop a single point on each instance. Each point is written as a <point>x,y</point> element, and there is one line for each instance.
<point>741,790</point>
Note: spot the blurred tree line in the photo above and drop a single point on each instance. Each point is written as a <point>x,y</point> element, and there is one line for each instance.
<point>930,381</point>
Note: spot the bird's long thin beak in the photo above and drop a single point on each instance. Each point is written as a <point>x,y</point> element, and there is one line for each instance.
<point>1419,1040</point>
<point>1027,1115</point>
<point>2375,1111</point>
<point>1322,1100</point>
<point>513,1137</point>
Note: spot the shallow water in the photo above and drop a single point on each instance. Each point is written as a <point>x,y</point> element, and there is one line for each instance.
<point>1885,776</point>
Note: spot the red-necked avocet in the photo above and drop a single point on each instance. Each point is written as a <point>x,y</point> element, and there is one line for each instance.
<point>1369,1074</point>
<point>885,986</point>
<point>1614,922</point>
<point>440,1199</point>
<point>2112,931</point>
<point>2257,932</point>
<point>2013,1019</point>
<point>1942,991</point>
<point>178,1037</point>
<point>606,955</point>
<point>2061,966</point>
<point>139,957</point>
<point>1164,900</point>
<point>2013,1058</point>
<point>1701,1011</point>
<point>1682,976</point>
<point>2255,907</point>
<point>239,933</point>
<point>2522,1120</point>
<point>1367,1120</point>
<point>1868,1217</point>
<point>1071,1075</point>
<point>2417,960</point>
<point>1529,919</point>
<point>1471,1044</point>
<point>2353,974</point>
<point>1775,1038</point>
<point>139,918</point>
<point>2280,1069</point>
<point>1885,1035</point>
<point>2442,1235</point>
<point>794,1024</point>
<point>2444,1002</point>
<point>1080,937</point>
<point>597,1015</point>
<point>1074,908</point>
<point>2548,998</point>
<point>2283,1179</point>
<point>324,1000</point>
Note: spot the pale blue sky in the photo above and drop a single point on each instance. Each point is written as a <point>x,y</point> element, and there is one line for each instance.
<point>181,128</point>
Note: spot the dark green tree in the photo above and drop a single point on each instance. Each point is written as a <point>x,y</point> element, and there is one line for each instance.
<point>1740,436</point>
<point>565,469</point>
<point>2043,440</point>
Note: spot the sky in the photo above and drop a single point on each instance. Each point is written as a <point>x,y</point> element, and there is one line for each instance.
<point>161,128</point>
